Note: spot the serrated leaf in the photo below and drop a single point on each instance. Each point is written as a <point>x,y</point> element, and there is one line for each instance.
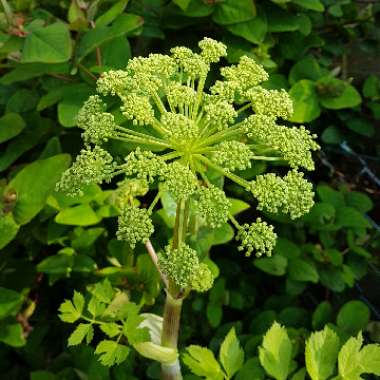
<point>131,329</point>
<point>370,359</point>
<point>83,330</point>
<point>276,352</point>
<point>202,362</point>
<point>349,359</point>
<point>111,353</point>
<point>68,312</point>
<point>95,307</point>
<point>321,353</point>
<point>110,329</point>
<point>231,354</point>
<point>103,291</point>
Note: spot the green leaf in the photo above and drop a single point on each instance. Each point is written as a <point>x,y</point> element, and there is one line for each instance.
<point>307,68</point>
<point>103,291</point>
<point>8,229</point>
<point>183,4</point>
<point>305,101</point>
<point>12,334</point>
<point>362,202</point>
<point>131,330</point>
<point>232,12</point>
<point>202,362</point>
<point>276,352</point>
<point>125,24</point>
<point>34,183</point>
<point>10,302</point>
<point>81,215</point>
<point>111,353</point>
<point>22,101</point>
<point>332,135</point>
<point>253,30</point>
<point>11,124</point>
<point>231,355</point>
<point>68,312</point>
<point>303,270</point>
<point>251,370</point>
<point>222,234</point>
<point>361,126</point>
<point>370,359</point>
<point>110,15</point>
<point>350,217</point>
<point>286,248</point>
<point>83,330</point>
<point>56,264</point>
<point>314,5</point>
<point>299,375</point>
<point>110,329</point>
<point>353,317</point>
<point>321,353</point>
<point>371,87</point>
<point>42,375</point>
<point>275,265</point>
<point>238,206</point>
<point>349,359</point>
<point>50,44</point>
<point>329,195</point>
<point>337,94</point>
<point>279,20</point>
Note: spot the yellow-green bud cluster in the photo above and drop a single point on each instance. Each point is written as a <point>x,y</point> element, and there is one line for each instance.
<point>212,204</point>
<point>219,113</point>
<point>291,195</point>
<point>135,225</point>
<point>138,109</point>
<point>98,125</point>
<point>179,95</point>
<point>270,102</point>
<point>212,50</point>
<point>203,279</point>
<point>179,180</point>
<point>130,188</point>
<point>90,166</point>
<point>225,90</point>
<point>192,64</point>
<point>257,237</point>
<point>144,164</point>
<point>295,145</point>
<point>181,128</point>
<point>113,82</point>
<point>232,155</point>
<point>247,73</point>
<point>182,266</point>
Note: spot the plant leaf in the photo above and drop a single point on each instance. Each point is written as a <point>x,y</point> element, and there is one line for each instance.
<point>231,354</point>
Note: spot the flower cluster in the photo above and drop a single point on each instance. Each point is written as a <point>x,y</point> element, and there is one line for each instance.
<point>183,267</point>
<point>135,225</point>
<point>195,132</point>
<point>292,194</point>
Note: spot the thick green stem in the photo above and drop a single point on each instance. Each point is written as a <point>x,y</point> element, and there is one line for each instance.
<point>169,337</point>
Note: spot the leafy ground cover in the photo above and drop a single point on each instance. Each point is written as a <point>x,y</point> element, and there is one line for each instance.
<point>264,317</point>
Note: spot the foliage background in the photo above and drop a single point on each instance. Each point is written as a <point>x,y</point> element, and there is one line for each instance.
<point>325,268</point>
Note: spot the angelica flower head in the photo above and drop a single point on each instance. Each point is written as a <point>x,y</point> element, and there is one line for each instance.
<point>194,130</point>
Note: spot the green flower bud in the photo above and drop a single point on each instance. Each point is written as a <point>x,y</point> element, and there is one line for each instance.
<point>213,205</point>
<point>225,90</point>
<point>90,166</point>
<point>202,279</point>
<point>135,225</point>
<point>130,188</point>
<point>212,50</point>
<point>180,264</point>
<point>179,95</point>
<point>145,165</point>
<point>247,73</point>
<point>181,129</point>
<point>138,109</point>
<point>191,63</point>
<point>270,191</point>
<point>179,180</point>
<point>113,82</point>
<point>232,155</point>
<point>98,125</point>
<point>300,195</point>
<point>258,237</point>
<point>219,113</point>
<point>270,102</point>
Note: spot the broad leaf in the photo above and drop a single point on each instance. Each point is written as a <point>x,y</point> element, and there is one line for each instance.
<point>353,317</point>
<point>111,353</point>
<point>321,353</point>
<point>303,270</point>
<point>50,44</point>
<point>11,124</point>
<point>8,229</point>
<point>202,362</point>
<point>276,352</point>
<point>10,302</point>
<point>231,354</point>
<point>34,183</point>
